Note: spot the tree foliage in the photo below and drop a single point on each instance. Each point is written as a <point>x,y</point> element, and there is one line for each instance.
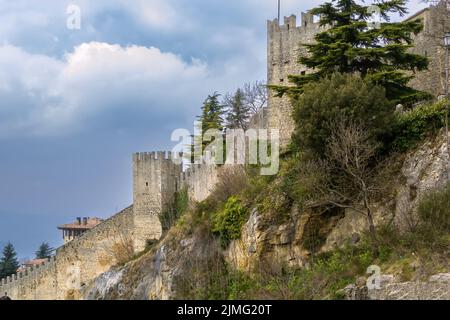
<point>212,113</point>
<point>347,176</point>
<point>244,104</point>
<point>228,221</point>
<point>340,96</point>
<point>256,96</point>
<point>44,251</point>
<point>238,112</point>
<point>349,45</point>
<point>8,262</point>
<point>416,124</point>
<point>210,118</point>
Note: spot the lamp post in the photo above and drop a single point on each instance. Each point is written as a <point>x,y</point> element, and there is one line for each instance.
<point>447,98</point>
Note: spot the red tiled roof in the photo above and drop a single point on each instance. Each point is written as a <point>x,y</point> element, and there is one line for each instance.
<point>35,262</point>
<point>82,224</point>
<point>31,263</point>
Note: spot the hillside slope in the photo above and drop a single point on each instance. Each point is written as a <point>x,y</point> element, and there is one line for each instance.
<point>294,254</point>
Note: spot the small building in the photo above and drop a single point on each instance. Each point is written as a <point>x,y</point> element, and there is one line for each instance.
<point>73,230</point>
<point>31,263</point>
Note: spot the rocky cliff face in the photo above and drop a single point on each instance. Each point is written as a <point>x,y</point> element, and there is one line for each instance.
<point>436,288</point>
<point>422,170</point>
<point>156,274</point>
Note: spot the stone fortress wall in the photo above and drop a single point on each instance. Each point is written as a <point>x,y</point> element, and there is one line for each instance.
<point>74,264</point>
<point>430,43</point>
<point>284,46</point>
<point>199,180</point>
<point>156,178</point>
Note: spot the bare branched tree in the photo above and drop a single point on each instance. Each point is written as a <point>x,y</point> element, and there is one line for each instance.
<point>347,178</point>
<point>119,247</point>
<point>245,103</point>
<point>256,96</point>
<point>231,181</point>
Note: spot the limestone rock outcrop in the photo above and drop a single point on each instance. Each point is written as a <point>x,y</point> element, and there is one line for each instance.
<point>436,288</point>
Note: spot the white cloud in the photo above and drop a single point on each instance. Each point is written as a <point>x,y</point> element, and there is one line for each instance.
<point>43,95</point>
<point>156,13</point>
<point>52,94</point>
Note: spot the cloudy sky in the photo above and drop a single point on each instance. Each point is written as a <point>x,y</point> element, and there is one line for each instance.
<point>75,103</point>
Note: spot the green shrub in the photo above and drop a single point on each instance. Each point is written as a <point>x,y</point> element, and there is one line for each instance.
<point>415,125</point>
<point>434,209</point>
<point>232,180</point>
<point>228,221</point>
<point>181,203</point>
<point>340,96</point>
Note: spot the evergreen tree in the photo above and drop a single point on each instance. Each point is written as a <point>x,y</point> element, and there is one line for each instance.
<point>349,45</point>
<point>8,262</point>
<point>335,97</point>
<point>211,118</point>
<point>212,113</point>
<point>238,111</point>
<point>44,251</point>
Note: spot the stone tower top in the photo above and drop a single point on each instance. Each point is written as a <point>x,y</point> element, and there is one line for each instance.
<point>307,22</point>
<point>283,50</point>
<point>155,178</point>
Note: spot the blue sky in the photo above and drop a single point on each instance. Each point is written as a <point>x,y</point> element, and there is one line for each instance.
<point>74,104</point>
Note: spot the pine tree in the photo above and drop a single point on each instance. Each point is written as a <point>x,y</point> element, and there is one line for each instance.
<point>238,112</point>
<point>8,262</point>
<point>379,54</point>
<point>212,113</point>
<point>44,251</point>
<point>211,118</point>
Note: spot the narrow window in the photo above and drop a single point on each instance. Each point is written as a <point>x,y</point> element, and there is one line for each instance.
<point>146,184</point>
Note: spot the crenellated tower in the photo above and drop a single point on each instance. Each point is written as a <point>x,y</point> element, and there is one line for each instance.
<point>155,179</point>
<point>284,47</point>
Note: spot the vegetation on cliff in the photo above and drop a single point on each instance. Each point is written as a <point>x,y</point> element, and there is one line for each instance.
<point>412,255</point>
<point>191,259</point>
<point>317,180</point>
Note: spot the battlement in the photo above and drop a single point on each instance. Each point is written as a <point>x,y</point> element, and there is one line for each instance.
<point>285,43</point>
<point>29,273</point>
<point>85,257</point>
<point>307,22</point>
<point>155,176</point>
<point>157,155</point>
